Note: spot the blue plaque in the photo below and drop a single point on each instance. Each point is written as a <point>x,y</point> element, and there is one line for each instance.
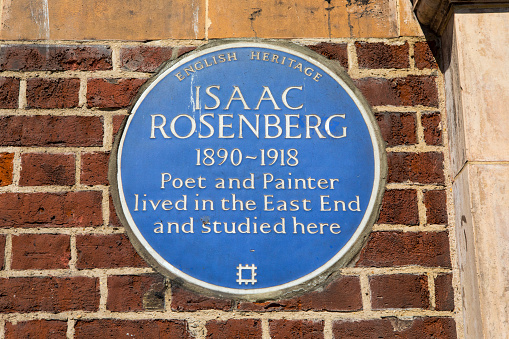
<point>249,169</point>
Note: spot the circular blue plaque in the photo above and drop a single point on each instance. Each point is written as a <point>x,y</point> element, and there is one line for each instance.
<point>249,169</point>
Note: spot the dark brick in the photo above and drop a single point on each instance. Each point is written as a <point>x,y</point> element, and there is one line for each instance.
<point>343,294</point>
<point>54,58</point>
<point>135,293</point>
<point>6,167</point>
<point>94,168</point>
<point>436,206</point>
<point>444,293</point>
<point>397,128</point>
<point>48,131</point>
<point>423,55</point>
<point>54,329</point>
<point>72,209</point>
<point>9,92</point>
<point>234,328</point>
<point>49,294</point>
<point>39,169</point>
<point>381,55</point>
<point>53,93</point>
<point>332,51</point>
<point>184,300</point>
<point>436,328</point>
<point>106,251</point>
<point>114,328</point>
<point>399,207</point>
<point>293,329</point>
<point>40,251</point>
<point>114,220</point>
<point>423,168</point>
<point>117,123</point>
<point>412,90</point>
<point>184,50</point>
<point>112,93</point>
<point>385,249</point>
<point>144,58</point>
<point>399,291</point>
<point>432,126</point>
<point>2,251</point>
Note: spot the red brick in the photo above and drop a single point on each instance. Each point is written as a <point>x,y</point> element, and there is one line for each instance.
<point>9,92</point>
<point>412,90</point>
<point>385,249</point>
<point>234,328</point>
<point>184,50</point>
<point>423,168</point>
<point>113,328</point>
<point>332,51</point>
<point>105,251</point>
<point>40,251</point>
<point>54,58</point>
<point>381,55</point>
<point>399,291</point>
<point>144,58</point>
<point>54,329</point>
<point>397,128</point>
<point>6,167</point>
<point>444,293</point>
<point>49,294</point>
<point>112,93</point>
<point>72,209</point>
<point>436,206</point>
<point>52,93</point>
<point>399,207</point>
<point>114,220</point>
<point>117,123</point>
<point>47,169</point>
<point>423,54</point>
<point>48,131</point>
<point>343,294</point>
<point>290,329</point>
<point>135,292</point>
<point>432,126</point>
<point>184,300</point>
<point>436,328</point>
<point>2,251</point>
<point>94,168</point>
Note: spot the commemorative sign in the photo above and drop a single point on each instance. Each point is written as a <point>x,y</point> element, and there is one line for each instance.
<point>249,169</point>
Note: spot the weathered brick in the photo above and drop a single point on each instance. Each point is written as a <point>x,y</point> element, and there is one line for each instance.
<point>184,50</point>
<point>48,294</point>
<point>423,168</point>
<point>105,251</point>
<point>185,300</point>
<point>423,54</point>
<point>6,167</point>
<point>47,169</point>
<point>234,328</point>
<point>54,58</point>
<point>55,329</point>
<point>436,206</point>
<point>399,291</point>
<point>385,249</point>
<point>48,131</point>
<point>2,250</point>
<point>399,207</point>
<point>436,328</point>
<point>40,251</point>
<point>343,294</point>
<point>397,128</point>
<point>135,292</point>
<point>332,51</point>
<point>144,58</point>
<point>53,93</point>
<point>9,92</point>
<point>412,90</point>
<point>94,168</point>
<point>444,293</point>
<point>432,128</point>
<point>114,328</point>
<point>112,93</point>
<point>114,220</point>
<point>72,209</point>
<point>382,55</point>
<point>117,123</point>
<point>287,329</point>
